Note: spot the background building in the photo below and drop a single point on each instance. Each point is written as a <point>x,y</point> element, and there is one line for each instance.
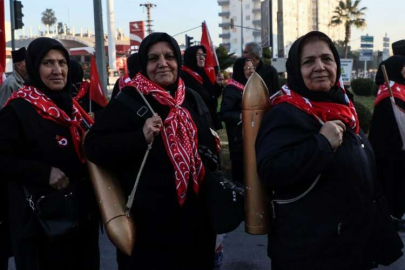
<point>297,18</point>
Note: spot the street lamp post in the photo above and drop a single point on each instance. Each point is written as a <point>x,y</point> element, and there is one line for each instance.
<point>241,29</point>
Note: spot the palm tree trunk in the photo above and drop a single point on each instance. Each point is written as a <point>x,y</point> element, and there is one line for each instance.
<point>347,38</point>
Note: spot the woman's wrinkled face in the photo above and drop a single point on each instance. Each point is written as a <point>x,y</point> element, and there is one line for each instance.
<point>403,72</point>
<point>162,64</point>
<point>318,66</point>
<point>248,69</point>
<point>53,70</point>
<point>200,58</point>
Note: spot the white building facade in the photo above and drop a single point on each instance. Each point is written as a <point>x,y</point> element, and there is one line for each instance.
<point>298,18</point>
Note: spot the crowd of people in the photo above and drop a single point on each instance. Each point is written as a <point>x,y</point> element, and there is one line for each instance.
<point>336,197</point>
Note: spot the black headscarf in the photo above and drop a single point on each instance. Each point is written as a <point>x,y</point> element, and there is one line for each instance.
<point>295,80</point>
<point>394,66</point>
<point>238,74</point>
<point>36,51</point>
<point>133,65</point>
<point>76,75</point>
<point>190,58</point>
<point>148,42</point>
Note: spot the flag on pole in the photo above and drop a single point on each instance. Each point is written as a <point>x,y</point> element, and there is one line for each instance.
<point>211,61</point>
<point>96,89</point>
<point>2,43</point>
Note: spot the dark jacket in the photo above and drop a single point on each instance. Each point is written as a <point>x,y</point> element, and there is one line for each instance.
<point>390,158</point>
<point>335,226</point>
<point>231,109</point>
<point>28,151</point>
<point>269,76</point>
<point>173,234</point>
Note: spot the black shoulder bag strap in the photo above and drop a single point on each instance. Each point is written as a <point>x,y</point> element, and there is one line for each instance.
<point>140,110</point>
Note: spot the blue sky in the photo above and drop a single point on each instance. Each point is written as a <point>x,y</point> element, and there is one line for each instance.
<point>175,16</point>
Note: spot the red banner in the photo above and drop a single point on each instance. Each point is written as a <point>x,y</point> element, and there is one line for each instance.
<point>211,61</point>
<point>136,34</point>
<point>96,90</point>
<point>2,42</point>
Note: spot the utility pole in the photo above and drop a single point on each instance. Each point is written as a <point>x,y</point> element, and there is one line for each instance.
<point>280,29</point>
<point>100,50</point>
<point>12,24</point>
<point>111,35</point>
<point>148,6</point>
<point>241,29</point>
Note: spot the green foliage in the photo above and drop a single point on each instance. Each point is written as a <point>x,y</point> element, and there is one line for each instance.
<point>225,58</point>
<point>266,57</point>
<point>282,81</point>
<point>364,115</point>
<point>363,87</point>
<point>349,14</point>
<point>48,17</point>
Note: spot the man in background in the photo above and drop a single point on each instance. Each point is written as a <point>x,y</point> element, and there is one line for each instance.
<point>268,73</point>
<point>16,79</point>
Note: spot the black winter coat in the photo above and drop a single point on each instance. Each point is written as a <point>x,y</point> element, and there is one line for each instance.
<point>209,93</point>
<point>231,109</point>
<point>335,225</point>
<point>28,150</point>
<point>269,76</point>
<point>390,158</point>
<point>168,236</point>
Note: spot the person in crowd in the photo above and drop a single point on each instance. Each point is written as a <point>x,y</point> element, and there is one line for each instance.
<point>385,136</point>
<point>220,79</point>
<point>16,79</point>
<point>40,155</point>
<point>231,113</point>
<point>80,89</point>
<point>169,209</point>
<point>253,51</point>
<point>398,47</point>
<point>133,69</point>
<point>194,76</point>
<point>328,209</point>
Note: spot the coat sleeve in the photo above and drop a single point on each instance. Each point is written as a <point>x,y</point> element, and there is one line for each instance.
<point>230,106</point>
<point>116,139</point>
<point>13,166</point>
<point>6,91</point>
<point>290,150</point>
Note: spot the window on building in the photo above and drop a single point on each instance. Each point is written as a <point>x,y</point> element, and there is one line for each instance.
<point>234,40</point>
<point>247,6</point>
<point>248,18</point>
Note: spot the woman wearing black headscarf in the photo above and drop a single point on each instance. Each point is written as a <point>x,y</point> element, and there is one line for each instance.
<point>386,138</point>
<point>328,208</point>
<point>40,155</point>
<point>171,220</point>
<point>231,113</point>
<point>195,77</point>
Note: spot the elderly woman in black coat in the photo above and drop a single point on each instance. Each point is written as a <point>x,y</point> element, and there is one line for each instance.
<point>194,76</point>
<point>41,160</point>
<point>328,207</point>
<point>385,136</point>
<point>171,220</point>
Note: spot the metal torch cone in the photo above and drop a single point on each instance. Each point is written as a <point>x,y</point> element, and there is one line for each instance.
<point>255,103</point>
<point>111,199</point>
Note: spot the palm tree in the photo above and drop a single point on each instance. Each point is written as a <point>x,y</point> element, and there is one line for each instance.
<point>48,17</point>
<point>349,14</point>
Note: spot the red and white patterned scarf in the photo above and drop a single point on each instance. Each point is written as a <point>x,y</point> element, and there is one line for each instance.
<point>398,90</point>
<point>194,74</point>
<point>47,109</point>
<point>83,90</point>
<point>324,111</point>
<point>238,85</point>
<point>123,81</point>
<point>179,134</point>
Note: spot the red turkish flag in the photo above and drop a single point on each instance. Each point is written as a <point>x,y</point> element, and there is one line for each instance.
<point>96,89</point>
<point>211,61</point>
<point>2,43</point>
